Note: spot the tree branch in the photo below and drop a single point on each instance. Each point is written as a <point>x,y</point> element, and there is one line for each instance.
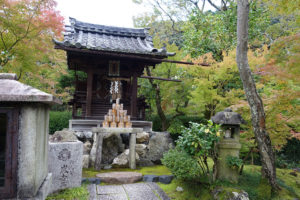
<point>161,114</point>
<point>203,5</point>
<point>214,5</point>
<point>169,16</point>
<point>2,39</point>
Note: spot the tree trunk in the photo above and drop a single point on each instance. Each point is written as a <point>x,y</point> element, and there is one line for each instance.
<point>164,122</point>
<point>256,105</point>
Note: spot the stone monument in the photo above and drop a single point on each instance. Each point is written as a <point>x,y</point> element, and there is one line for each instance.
<point>229,145</point>
<point>65,160</point>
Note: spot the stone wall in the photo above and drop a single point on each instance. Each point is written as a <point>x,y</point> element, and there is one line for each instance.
<point>33,149</point>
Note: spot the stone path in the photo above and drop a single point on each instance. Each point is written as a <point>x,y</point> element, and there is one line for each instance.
<point>136,191</point>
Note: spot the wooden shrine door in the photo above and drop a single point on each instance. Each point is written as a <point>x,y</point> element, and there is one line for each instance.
<point>8,152</point>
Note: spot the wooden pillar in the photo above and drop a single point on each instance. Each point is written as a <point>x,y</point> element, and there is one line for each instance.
<point>89,93</point>
<point>74,110</point>
<point>133,102</point>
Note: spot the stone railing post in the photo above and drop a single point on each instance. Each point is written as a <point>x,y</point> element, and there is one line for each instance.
<point>99,150</point>
<point>132,162</point>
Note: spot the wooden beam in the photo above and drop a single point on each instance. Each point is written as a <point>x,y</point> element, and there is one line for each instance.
<point>185,63</point>
<point>150,58</point>
<point>159,78</point>
<point>89,93</point>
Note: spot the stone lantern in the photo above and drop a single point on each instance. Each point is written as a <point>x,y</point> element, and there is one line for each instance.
<point>24,126</point>
<point>229,145</point>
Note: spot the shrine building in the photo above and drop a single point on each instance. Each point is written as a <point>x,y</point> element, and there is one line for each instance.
<point>113,59</point>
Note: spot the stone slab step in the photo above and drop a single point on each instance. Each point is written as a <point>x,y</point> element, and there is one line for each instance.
<point>120,177</point>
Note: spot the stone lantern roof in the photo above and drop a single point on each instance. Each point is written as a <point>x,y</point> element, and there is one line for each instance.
<point>228,117</point>
<point>12,90</point>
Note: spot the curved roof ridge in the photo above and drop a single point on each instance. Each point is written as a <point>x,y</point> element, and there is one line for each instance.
<point>82,35</point>
<point>111,30</point>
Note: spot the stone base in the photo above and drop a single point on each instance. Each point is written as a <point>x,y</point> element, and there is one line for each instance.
<point>65,164</point>
<point>43,191</point>
<point>227,148</point>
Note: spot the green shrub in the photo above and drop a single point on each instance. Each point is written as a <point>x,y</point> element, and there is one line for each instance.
<point>182,120</point>
<point>182,165</point>
<point>59,120</point>
<point>199,141</point>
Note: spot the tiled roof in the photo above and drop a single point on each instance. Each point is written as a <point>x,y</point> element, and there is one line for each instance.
<point>83,35</point>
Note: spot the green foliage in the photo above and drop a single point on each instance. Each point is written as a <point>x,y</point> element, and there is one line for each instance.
<point>175,124</point>
<point>68,79</point>
<point>199,140</point>
<point>249,181</point>
<point>173,101</point>
<point>288,156</point>
<point>176,127</point>
<point>26,47</point>
<point>234,162</point>
<point>181,164</point>
<point>216,32</point>
<point>26,27</point>
<point>80,193</point>
<point>59,120</point>
<point>215,88</point>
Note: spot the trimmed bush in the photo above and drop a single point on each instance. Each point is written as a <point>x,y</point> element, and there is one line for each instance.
<point>182,165</point>
<point>59,120</point>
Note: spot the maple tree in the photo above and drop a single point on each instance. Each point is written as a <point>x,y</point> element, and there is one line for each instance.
<point>27,28</point>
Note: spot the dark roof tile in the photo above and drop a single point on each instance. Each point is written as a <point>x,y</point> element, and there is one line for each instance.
<point>83,35</point>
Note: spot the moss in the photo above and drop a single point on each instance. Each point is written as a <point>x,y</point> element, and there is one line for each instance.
<point>250,182</point>
<point>288,183</point>
<point>191,190</point>
<point>79,193</point>
<point>153,170</point>
<point>264,189</point>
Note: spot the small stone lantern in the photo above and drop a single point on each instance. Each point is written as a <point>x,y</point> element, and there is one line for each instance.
<point>24,126</point>
<point>229,145</point>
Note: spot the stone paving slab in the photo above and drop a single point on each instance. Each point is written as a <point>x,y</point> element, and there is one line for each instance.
<point>92,190</point>
<point>113,197</point>
<point>162,195</point>
<point>110,189</point>
<point>135,191</point>
<point>140,191</point>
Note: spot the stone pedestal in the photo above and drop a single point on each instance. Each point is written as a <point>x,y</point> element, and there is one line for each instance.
<point>65,164</point>
<point>227,147</point>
